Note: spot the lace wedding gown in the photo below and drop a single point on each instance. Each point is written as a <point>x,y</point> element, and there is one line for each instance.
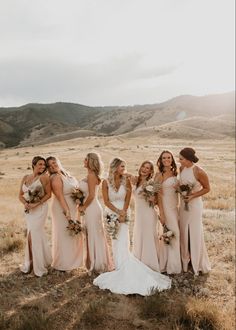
<point>131,276</point>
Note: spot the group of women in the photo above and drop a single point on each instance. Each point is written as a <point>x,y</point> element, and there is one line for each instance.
<point>121,271</point>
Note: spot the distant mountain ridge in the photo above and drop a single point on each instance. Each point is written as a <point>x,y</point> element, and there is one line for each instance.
<point>209,116</point>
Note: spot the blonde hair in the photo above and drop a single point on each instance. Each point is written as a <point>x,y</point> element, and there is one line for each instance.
<point>95,163</point>
<point>114,164</point>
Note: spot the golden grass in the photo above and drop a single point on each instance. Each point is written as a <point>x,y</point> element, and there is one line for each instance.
<point>70,300</point>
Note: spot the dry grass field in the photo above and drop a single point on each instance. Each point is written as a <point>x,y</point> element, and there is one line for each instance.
<point>69,300</point>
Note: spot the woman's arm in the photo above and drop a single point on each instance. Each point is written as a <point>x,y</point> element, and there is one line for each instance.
<point>202,177</point>
<point>44,179</point>
<point>21,193</point>
<point>128,194</point>
<point>106,197</point>
<point>159,178</point>
<point>57,188</point>
<point>161,209</point>
<point>133,178</point>
<point>92,182</point>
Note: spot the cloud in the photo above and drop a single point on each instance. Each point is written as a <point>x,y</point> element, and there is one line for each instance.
<point>114,51</point>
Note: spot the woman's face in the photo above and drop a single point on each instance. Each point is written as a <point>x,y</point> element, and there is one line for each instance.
<point>145,170</point>
<point>53,166</point>
<point>40,166</point>
<point>121,169</point>
<point>166,159</point>
<point>183,161</point>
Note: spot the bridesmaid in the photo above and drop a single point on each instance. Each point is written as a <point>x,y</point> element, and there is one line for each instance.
<point>170,260</point>
<point>145,235</point>
<point>37,251</point>
<point>98,257</point>
<point>192,243</point>
<point>67,251</point>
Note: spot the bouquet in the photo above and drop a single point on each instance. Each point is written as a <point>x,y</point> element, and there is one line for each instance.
<point>167,235</point>
<point>74,227</point>
<point>112,224</point>
<point>34,196</point>
<point>78,196</point>
<point>150,190</point>
<point>184,190</point>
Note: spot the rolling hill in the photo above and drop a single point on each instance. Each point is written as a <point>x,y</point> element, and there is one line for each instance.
<point>186,116</point>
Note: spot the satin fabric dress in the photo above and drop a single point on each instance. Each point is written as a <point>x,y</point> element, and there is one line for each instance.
<point>170,260</point>
<point>145,235</point>
<point>67,250</point>
<point>192,243</point>
<point>97,256</point>
<point>35,220</point>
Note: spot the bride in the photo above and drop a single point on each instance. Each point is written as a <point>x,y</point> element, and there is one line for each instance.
<point>130,276</point>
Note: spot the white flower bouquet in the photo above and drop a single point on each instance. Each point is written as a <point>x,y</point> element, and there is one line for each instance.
<point>150,191</point>
<point>167,235</point>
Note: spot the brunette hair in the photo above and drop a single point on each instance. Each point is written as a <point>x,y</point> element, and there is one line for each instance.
<point>189,154</point>
<point>161,166</point>
<point>36,159</point>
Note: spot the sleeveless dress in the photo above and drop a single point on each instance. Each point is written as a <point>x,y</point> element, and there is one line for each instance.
<point>98,256</point>
<point>170,260</point>
<point>192,243</point>
<point>145,236</point>
<point>131,276</point>
<point>67,250</point>
<point>35,220</point>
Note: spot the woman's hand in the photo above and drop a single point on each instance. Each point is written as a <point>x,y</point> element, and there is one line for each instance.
<point>81,209</point>
<point>122,218</point>
<point>188,198</point>
<point>162,218</point>
<point>26,205</point>
<point>152,199</point>
<point>122,213</point>
<point>67,215</point>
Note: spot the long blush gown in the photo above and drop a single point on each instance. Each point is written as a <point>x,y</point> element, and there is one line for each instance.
<point>145,236</point>
<point>192,243</point>
<point>170,260</point>
<point>98,257</point>
<point>35,219</point>
<point>131,276</point>
<point>67,250</point>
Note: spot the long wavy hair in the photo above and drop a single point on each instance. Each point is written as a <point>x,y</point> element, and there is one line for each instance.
<point>149,176</point>
<point>95,164</point>
<point>63,171</point>
<point>161,167</point>
<point>114,164</point>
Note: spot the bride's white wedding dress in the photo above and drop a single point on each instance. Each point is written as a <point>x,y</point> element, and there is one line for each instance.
<point>131,276</point>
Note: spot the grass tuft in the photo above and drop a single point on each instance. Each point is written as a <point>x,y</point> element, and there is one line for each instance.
<point>31,317</point>
<point>11,244</point>
<point>200,314</point>
<point>154,306</point>
<point>94,315</point>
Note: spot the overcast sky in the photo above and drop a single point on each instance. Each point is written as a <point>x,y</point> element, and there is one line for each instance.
<point>114,52</point>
